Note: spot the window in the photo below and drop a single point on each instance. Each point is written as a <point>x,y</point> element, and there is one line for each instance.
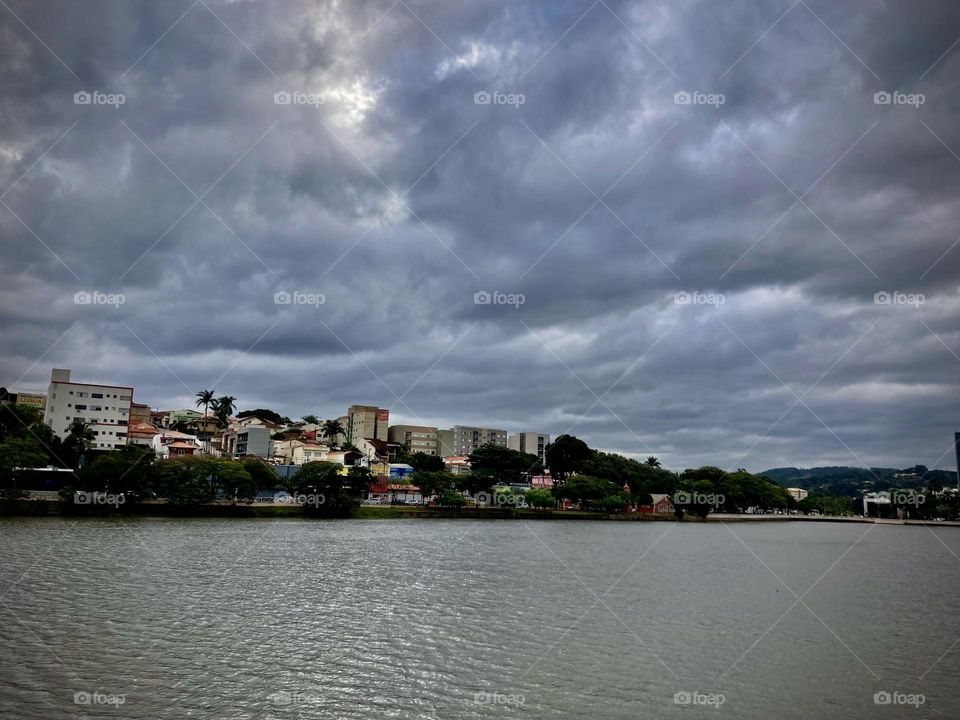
<point>96,395</point>
<point>80,407</point>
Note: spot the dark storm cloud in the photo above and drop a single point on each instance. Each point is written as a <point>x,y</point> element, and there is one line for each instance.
<point>598,198</point>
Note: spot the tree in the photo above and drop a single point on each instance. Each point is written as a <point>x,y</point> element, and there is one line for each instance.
<point>311,419</point>
<point>652,461</point>
<point>587,490</point>
<point>566,455</point>
<point>424,461</point>
<point>431,483</point>
<point>183,480</point>
<point>502,466</point>
<point>126,470</point>
<point>264,414</point>
<point>332,429</point>
<point>232,480</point>
<point>17,420</point>
<point>19,452</point>
<point>80,437</point>
<point>328,493</point>
<point>540,498</point>
<point>204,398</point>
<point>451,498</point>
<point>262,474</point>
<point>223,408</point>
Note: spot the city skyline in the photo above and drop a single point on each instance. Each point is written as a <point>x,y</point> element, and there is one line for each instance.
<point>596,219</point>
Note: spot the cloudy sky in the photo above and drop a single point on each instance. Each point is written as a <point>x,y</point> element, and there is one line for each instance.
<point>687,209</point>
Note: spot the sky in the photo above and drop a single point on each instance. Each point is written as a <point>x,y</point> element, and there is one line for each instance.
<point>718,233</point>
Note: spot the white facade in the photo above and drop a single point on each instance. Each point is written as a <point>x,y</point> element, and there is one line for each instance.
<point>466,439</point>
<point>530,442</point>
<point>105,408</point>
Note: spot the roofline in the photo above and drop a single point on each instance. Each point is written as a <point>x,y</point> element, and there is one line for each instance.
<point>71,382</point>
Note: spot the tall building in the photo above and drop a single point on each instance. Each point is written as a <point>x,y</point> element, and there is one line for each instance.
<point>445,443</point>
<point>530,442</point>
<point>105,408</point>
<point>466,439</point>
<point>415,438</point>
<point>956,446</point>
<point>367,421</point>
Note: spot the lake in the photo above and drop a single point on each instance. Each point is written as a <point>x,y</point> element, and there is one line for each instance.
<point>168,618</point>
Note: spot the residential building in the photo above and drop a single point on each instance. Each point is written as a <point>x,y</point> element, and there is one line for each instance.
<point>415,438</point>
<point>660,503</point>
<point>141,434</point>
<point>797,493</point>
<point>366,421</point>
<point>309,452</point>
<point>445,443</point>
<point>105,408</point>
<point>466,439</point>
<point>379,450</point>
<point>172,443</point>
<point>283,450</point>
<point>240,441</point>
<point>139,413</point>
<point>183,415</point>
<point>456,465</point>
<point>541,481</point>
<point>530,442</point>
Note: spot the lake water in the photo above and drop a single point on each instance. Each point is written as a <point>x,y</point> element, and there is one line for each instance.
<point>156,618</point>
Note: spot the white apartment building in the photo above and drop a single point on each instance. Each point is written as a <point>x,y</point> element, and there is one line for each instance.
<point>105,408</point>
<point>530,442</point>
<point>466,439</point>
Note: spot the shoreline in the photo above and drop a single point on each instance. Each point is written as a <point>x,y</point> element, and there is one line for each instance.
<point>53,508</point>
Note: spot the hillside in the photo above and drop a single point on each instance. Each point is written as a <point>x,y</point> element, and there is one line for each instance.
<point>853,480</point>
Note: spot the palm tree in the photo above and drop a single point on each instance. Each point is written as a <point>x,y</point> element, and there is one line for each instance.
<point>332,429</point>
<point>311,419</point>
<point>80,437</point>
<point>223,408</point>
<point>205,398</point>
<point>653,462</point>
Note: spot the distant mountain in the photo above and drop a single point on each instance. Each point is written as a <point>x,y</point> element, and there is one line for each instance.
<point>853,481</point>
